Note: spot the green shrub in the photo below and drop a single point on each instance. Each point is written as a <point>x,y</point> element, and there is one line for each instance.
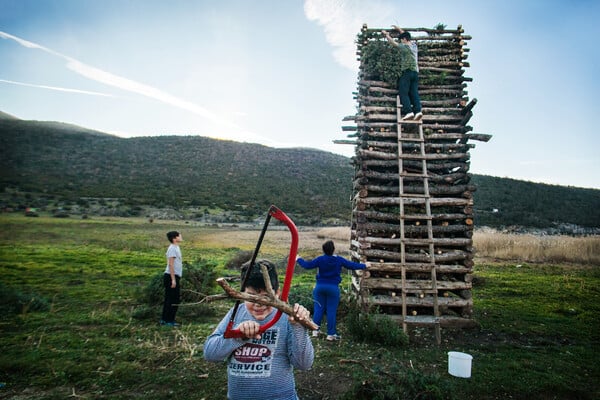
<point>398,383</point>
<point>381,60</point>
<point>238,259</point>
<point>372,327</point>
<point>301,294</point>
<point>198,281</point>
<point>13,301</point>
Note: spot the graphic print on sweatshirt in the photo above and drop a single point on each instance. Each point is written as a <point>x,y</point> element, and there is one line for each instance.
<point>254,359</point>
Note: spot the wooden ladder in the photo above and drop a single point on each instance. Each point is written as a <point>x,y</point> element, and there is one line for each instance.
<point>421,199</point>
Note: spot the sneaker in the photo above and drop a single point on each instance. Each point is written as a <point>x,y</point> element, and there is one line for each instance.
<point>408,116</point>
<point>315,333</point>
<point>162,322</point>
<point>333,338</point>
<point>172,324</point>
<point>418,116</point>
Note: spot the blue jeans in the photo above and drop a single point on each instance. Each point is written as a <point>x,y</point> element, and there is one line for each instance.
<point>408,88</point>
<point>327,299</point>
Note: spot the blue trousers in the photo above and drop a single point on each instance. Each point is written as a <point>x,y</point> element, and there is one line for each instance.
<point>408,89</point>
<point>327,299</point>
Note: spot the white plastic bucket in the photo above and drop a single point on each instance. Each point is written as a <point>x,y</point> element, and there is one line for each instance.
<point>459,364</point>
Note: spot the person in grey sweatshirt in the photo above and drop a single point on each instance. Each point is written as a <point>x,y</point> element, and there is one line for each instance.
<point>261,366</point>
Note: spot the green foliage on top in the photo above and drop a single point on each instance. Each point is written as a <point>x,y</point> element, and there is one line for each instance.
<point>381,61</point>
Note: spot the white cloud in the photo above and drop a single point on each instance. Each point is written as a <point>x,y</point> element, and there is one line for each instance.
<point>342,20</point>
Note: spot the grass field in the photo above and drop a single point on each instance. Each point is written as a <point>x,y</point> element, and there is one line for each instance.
<point>81,330</point>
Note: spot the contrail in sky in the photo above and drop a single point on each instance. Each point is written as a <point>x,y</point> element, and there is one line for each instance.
<point>60,89</point>
<point>123,83</point>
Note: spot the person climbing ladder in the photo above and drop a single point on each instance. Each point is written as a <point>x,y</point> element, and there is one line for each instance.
<point>408,83</point>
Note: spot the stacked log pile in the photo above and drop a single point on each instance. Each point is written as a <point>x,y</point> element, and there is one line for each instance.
<point>376,213</point>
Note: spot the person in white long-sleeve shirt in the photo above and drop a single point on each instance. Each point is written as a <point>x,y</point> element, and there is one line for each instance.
<point>261,366</point>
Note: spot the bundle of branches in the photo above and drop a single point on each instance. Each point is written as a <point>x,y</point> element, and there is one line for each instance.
<point>381,61</point>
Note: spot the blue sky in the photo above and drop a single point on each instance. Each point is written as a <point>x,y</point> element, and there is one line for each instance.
<point>282,72</point>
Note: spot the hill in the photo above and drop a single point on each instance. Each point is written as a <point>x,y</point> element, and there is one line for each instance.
<point>173,171</point>
<point>5,116</point>
<point>52,164</point>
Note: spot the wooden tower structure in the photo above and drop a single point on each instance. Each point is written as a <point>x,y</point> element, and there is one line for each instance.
<point>412,205</point>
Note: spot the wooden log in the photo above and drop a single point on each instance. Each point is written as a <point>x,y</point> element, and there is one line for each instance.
<point>412,284</point>
<point>447,127</point>
<point>378,117</point>
<point>434,103</point>
<point>377,99</point>
<point>388,176</point>
<point>425,86</point>
<point>443,118</point>
<point>482,137</point>
<point>268,299</point>
<point>354,142</point>
<point>446,167</point>
<point>362,181</point>
<point>429,147</point>
<point>378,89</point>
<point>434,156</point>
<point>438,109</point>
<point>445,136</point>
<point>410,188</point>
<point>398,241</point>
<point>380,134</point>
<point>392,267</point>
<point>444,321</point>
<point>365,216</point>
<point>443,64</point>
<point>469,107</point>
<point>371,228</point>
<point>388,125</point>
<point>378,109</point>
<point>442,51</point>
<point>466,118</point>
<point>427,301</point>
<point>451,71</point>
<point>366,82</point>
<point>430,31</point>
<point>451,92</point>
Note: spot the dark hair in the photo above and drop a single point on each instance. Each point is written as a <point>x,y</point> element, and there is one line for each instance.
<point>255,279</point>
<point>328,247</point>
<point>172,235</point>
<point>404,35</point>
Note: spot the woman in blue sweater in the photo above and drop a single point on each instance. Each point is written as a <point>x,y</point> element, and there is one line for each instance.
<point>326,294</point>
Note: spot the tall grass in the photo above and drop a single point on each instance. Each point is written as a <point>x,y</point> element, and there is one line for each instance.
<point>543,249</point>
<point>510,247</point>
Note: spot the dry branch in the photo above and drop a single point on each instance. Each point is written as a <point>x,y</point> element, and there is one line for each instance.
<point>268,299</point>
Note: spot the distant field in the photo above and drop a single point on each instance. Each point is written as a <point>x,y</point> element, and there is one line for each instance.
<point>81,330</point>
